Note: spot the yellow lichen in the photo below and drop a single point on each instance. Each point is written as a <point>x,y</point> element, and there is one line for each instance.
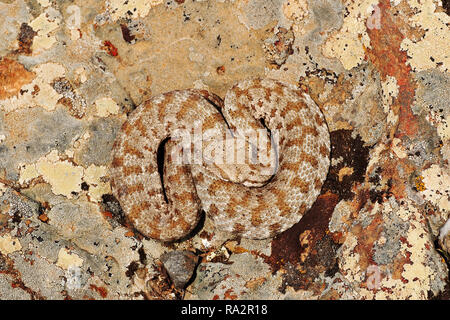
<point>94,177</point>
<point>66,259</point>
<point>9,244</point>
<point>44,25</point>
<point>138,8</point>
<point>106,107</point>
<point>63,176</point>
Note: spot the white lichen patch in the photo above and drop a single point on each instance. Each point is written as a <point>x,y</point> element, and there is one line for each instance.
<point>432,50</point>
<point>348,43</point>
<point>67,259</point>
<point>437,184</point>
<point>106,106</point>
<point>98,186</point>
<point>9,244</point>
<point>130,8</point>
<point>341,217</point>
<point>39,92</point>
<point>389,90</point>
<point>398,149</point>
<point>350,264</point>
<point>45,25</point>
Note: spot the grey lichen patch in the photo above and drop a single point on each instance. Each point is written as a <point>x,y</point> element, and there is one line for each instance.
<point>74,102</point>
<point>102,133</point>
<point>74,220</point>
<point>389,245</point>
<point>246,277</point>
<point>259,14</point>
<point>33,133</point>
<point>32,268</point>
<point>432,94</point>
<point>75,247</point>
<point>341,218</point>
<point>431,101</point>
<point>310,31</point>
<point>17,206</point>
<point>328,15</point>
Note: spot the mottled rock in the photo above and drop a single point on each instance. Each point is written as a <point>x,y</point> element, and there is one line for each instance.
<point>72,71</point>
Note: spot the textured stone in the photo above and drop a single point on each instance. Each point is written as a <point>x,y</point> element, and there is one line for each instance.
<point>72,71</point>
<point>180,266</point>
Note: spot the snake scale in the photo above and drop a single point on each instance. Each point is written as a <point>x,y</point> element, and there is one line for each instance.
<point>165,201</point>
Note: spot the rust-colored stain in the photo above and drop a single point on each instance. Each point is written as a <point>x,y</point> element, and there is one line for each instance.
<point>44,218</point>
<point>13,76</point>
<point>229,295</point>
<point>100,290</point>
<point>387,56</point>
<point>220,70</point>
<point>308,248</point>
<point>110,48</point>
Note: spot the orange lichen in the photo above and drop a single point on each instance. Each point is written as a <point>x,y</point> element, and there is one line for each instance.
<point>420,185</point>
<point>13,76</point>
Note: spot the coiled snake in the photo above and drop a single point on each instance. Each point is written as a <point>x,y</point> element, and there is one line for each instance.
<point>252,199</point>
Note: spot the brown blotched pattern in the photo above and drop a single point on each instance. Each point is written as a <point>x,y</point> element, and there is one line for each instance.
<point>256,212</point>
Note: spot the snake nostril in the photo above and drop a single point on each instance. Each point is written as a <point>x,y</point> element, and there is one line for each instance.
<point>160,159</point>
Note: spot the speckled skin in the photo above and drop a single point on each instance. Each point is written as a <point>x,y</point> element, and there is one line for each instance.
<point>253,207</point>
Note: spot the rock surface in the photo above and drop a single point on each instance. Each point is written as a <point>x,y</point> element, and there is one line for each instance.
<point>71,71</point>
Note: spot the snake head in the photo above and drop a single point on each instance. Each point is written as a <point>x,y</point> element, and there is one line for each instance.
<point>239,160</point>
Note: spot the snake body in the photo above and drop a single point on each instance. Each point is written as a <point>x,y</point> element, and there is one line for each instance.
<point>246,201</point>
